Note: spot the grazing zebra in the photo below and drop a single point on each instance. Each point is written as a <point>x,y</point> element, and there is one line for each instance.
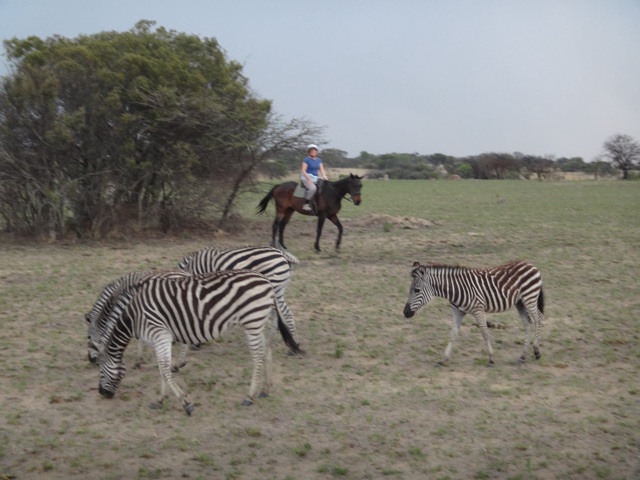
<point>98,324</point>
<point>271,262</point>
<point>479,291</point>
<point>191,310</point>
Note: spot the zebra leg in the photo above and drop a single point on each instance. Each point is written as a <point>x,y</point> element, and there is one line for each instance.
<point>537,317</point>
<point>162,347</point>
<point>182,359</point>
<point>526,322</point>
<point>287,317</point>
<point>482,323</point>
<point>266,386</point>
<point>140,360</point>
<point>457,317</point>
<point>257,344</point>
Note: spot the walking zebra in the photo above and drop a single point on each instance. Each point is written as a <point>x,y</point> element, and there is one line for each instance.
<point>271,262</point>
<point>191,310</point>
<point>98,324</point>
<point>479,291</point>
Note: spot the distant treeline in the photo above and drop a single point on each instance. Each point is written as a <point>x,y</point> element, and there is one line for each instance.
<point>433,166</point>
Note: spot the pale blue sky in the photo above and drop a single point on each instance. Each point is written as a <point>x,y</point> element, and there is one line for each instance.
<point>459,77</point>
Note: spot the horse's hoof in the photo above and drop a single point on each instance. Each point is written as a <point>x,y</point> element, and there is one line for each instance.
<point>247,403</point>
<point>263,395</point>
<point>189,408</point>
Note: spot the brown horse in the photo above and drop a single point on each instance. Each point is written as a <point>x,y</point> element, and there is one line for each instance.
<point>326,204</point>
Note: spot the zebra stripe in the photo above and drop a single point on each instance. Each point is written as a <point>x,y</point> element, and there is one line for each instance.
<point>479,291</point>
<point>191,310</point>
<point>97,319</point>
<point>271,262</point>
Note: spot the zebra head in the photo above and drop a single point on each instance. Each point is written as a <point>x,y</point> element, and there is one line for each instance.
<point>420,292</point>
<point>112,371</point>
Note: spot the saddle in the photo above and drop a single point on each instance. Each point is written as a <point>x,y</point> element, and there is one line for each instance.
<point>301,189</point>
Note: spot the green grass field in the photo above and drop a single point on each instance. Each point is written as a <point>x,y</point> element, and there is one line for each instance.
<point>366,402</point>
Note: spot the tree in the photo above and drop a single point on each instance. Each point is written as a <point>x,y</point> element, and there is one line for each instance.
<point>623,152</point>
<point>154,122</point>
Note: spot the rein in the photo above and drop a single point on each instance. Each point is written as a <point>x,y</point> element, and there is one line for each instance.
<point>343,195</point>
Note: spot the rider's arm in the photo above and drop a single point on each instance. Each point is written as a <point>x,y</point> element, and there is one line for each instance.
<point>304,171</point>
<point>322,172</point>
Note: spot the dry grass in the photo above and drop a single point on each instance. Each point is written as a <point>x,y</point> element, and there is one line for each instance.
<point>367,401</point>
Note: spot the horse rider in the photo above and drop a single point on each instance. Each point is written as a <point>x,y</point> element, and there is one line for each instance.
<point>311,169</point>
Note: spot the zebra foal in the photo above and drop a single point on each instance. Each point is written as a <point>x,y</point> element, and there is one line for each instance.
<point>191,310</point>
<point>479,291</point>
<point>273,263</point>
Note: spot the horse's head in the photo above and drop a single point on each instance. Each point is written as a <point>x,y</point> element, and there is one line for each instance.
<point>355,185</point>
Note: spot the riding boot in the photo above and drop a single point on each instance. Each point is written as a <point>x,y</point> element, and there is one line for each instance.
<point>307,205</point>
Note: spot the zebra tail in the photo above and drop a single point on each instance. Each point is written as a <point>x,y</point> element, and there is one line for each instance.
<point>286,335</point>
<point>291,258</point>
<point>262,206</point>
<point>541,301</point>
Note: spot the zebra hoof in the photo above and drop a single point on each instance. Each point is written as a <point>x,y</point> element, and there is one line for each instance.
<point>263,395</point>
<point>247,403</point>
<point>441,363</point>
<point>522,359</point>
<point>189,408</point>
<point>538,355</point>
<point>491,364</point>
<point>155,406</point>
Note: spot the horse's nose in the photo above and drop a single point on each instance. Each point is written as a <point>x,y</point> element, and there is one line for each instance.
<point>356,200</point>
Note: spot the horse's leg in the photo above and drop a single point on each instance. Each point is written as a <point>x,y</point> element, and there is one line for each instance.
<point>334,219</point>
<point>319,232</point>
<point>274,230</point>
<point>283,223</point>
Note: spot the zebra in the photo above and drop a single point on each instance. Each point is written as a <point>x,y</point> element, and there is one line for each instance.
<point>479,291</point>
<point>97,319</point>
<point>273,263</point>
<point>191,309</point>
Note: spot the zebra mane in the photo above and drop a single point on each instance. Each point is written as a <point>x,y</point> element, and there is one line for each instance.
<point>115,315</point>
<point>186,260</point>
<point>456,267</point>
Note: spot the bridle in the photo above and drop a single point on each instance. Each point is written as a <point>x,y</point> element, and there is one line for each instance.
<point>351,195</point>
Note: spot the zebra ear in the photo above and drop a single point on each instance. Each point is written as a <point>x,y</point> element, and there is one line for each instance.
<point>416,264</point>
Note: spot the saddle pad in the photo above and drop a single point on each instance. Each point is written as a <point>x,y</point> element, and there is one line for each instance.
<point>299,191</point>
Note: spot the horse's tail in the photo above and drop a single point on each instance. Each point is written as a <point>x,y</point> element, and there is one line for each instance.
<point>262,206</point>
<point>287,336</point>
